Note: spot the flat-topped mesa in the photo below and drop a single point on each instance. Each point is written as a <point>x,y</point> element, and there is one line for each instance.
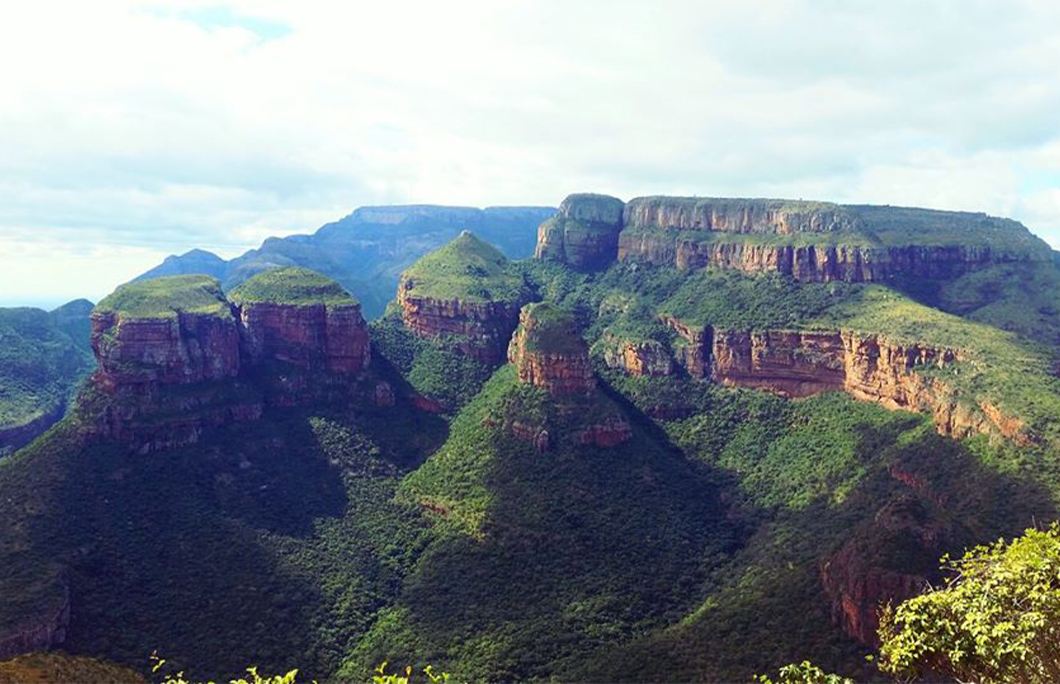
<point>168,331</point>
<point>583,233</point>
<point>548,352</point>
<point>809,241</point>
<point>297,316</point>
<point>778,217</point>
<point>465,293</point>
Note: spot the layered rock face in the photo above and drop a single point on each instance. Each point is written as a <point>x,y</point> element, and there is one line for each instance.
<point>778,217</point>
<point>888,561</point>
<point>638,357</point>
<point>180,349</point>
<point>869,367</point>
<point>548,352</point>
<point>465,295</point>
<point>809,241</point>
<point>311,336</point>
<point>153,337</point>
<point>481,329</point>
<point>583,233</point>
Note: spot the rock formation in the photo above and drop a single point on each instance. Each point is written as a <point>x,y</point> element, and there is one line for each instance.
<point>889,560</point>
<point>584,233</point>
<point>464,294</point>
<point>548,352</point>
<point>637,357</point>
<point>260,348</point>
<point>809,241</point>
<point>869,367</point>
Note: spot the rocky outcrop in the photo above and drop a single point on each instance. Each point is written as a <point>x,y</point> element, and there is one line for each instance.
<point>809,241</point>
<point>332,338</point>
<point>548,352</point>
<point>809,263</point>
<point>638,357</point>
<point>583,233</point>
<point>778,217</point>
<point>177,358</point>
<point>183,348</point>
<point>608,433</point>
<point>869,367</point>
<point>479,329</point>
<point>891,559</point>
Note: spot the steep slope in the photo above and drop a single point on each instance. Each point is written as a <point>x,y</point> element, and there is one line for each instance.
<point>43,358</point>
<point>367,250</point>
<point>260,527</point>
<point>809,241</point>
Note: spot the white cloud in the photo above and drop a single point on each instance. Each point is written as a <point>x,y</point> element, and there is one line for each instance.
<point>163,126</point>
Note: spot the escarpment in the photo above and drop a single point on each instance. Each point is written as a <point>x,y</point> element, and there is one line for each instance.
<point>870,367</point>
<point>809,241</point>
<point>465,294</point>
<point>153,338</point>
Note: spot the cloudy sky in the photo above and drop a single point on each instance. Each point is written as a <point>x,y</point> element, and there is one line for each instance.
<point>132,130</point>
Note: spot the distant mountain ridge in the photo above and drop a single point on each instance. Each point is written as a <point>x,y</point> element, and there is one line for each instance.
<point>367,250</point>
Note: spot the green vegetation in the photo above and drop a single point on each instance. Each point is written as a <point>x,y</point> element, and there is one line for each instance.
<point>41,366</point>
<point>164,297</point>
<point>435,368</point>
<point>467,269</point>
<point>293,286</point>
<point>901,226</point>
<point>995,620</point>
<point>548,329</point>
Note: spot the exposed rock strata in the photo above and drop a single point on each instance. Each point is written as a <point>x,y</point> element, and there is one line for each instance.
<point>181,349</point>
<point>869,367</point>
<point>479,329</point>
<point>638,357</point>
<point>809,241</point>
<point>863,576</point>
<point>332,338</point>
<point>563,368</point>
<point>583,233</point>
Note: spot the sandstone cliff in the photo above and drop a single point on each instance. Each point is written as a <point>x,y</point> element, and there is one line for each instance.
<point>890,559</point>
<point>465,294</point>
<point>869,367</point>
<point>549,353</point>
<point>583,233</point>
<point>809,241</point>
<point>287,337</point>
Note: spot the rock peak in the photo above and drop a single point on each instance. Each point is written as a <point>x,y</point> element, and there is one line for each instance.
<point>549,352</point>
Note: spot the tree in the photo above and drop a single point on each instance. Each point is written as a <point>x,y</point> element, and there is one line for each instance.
<point>996,619</point>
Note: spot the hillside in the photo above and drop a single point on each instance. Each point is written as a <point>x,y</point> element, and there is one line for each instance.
<point>43,358</point>
<point>367,250</point>
<point>595,465</point>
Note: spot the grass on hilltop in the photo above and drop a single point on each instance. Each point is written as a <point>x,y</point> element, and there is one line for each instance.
<point>467,269</point>
<point>164,297</point>
<point>292,286</point>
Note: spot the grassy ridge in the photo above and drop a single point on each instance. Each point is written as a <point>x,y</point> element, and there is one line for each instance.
<point>164,297</point>
<point>467,269</point>
<point>293,286</point>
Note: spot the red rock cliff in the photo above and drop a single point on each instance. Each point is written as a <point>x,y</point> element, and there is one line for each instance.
<point>314,336</point>
<point>548,352</point>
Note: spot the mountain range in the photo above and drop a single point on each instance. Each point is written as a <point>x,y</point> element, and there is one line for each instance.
<point>689,439</point>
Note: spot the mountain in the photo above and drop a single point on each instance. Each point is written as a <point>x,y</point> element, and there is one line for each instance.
<point>43,358</point>
<point>692,440</point>
<point>367,250</point>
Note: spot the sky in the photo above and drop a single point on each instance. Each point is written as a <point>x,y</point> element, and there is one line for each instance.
<point>133,130</point>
